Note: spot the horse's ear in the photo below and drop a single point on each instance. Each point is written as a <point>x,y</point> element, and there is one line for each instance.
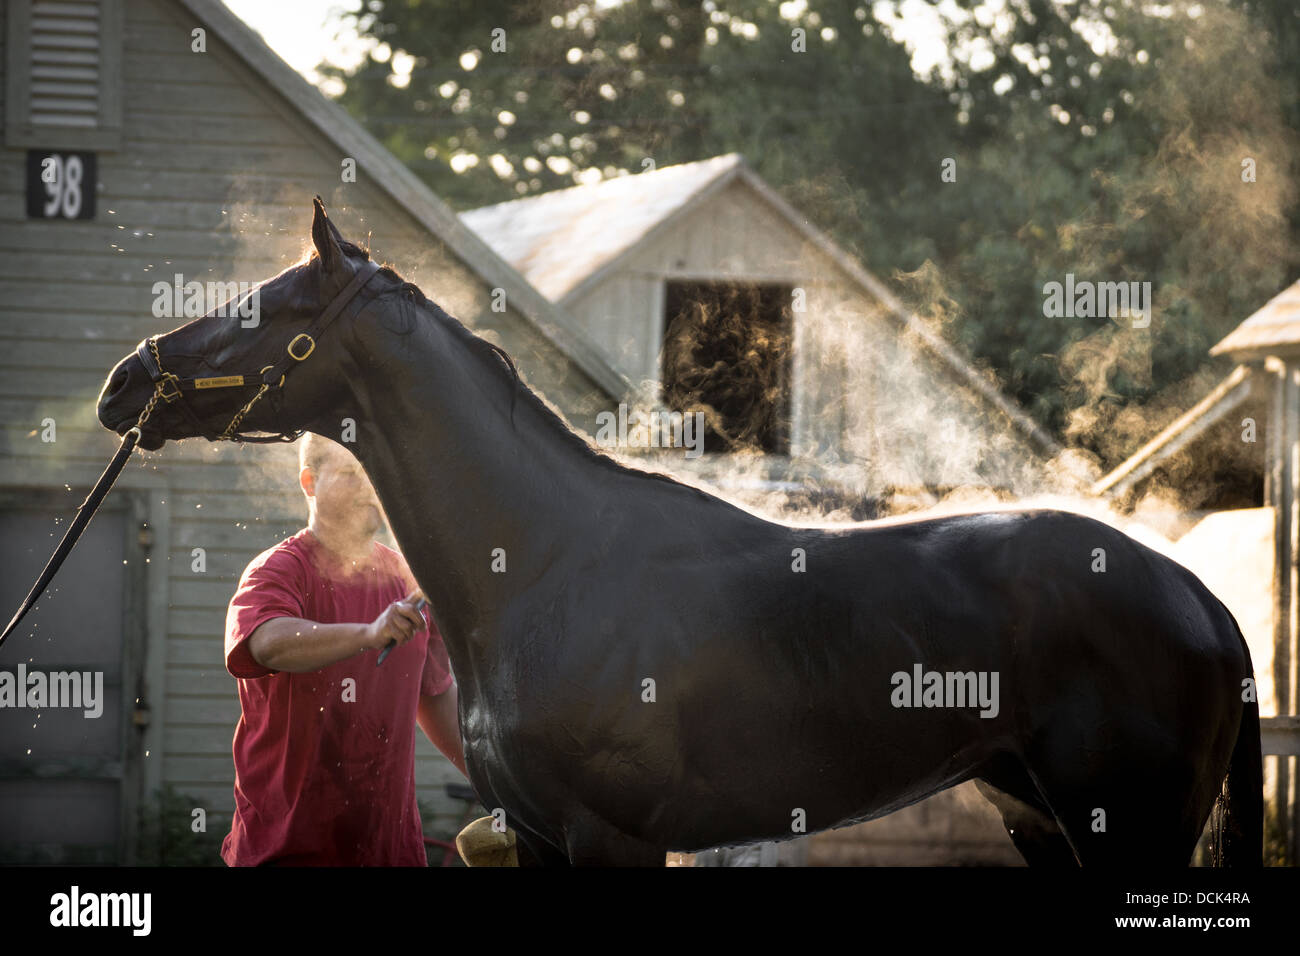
<point>325,237</point>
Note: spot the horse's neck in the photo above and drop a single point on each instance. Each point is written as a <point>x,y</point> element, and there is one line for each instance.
<point>478,503</point>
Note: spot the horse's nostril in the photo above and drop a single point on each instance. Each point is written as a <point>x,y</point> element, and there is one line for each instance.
<point>116,382</point>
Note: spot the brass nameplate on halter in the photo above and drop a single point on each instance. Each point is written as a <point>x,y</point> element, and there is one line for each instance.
<point>219,382</point>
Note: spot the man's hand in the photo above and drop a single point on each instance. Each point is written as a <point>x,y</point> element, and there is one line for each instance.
<point>295,645</point>
<point>399,623</point>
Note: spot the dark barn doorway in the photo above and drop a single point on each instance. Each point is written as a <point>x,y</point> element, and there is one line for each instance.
<point>69,783</point>
<point>727,351</point>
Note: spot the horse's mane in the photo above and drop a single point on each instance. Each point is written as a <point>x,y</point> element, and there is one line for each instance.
<point>413,295</point>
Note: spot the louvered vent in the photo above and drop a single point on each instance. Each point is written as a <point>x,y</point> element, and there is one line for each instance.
<point>65,64</point>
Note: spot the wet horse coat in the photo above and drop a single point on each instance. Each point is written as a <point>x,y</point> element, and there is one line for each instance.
<point>651,671</point>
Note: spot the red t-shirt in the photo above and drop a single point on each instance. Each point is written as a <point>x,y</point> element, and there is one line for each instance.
<point>325,771</point>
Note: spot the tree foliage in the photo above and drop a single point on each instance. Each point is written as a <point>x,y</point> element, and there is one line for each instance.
<point>1103,138</point>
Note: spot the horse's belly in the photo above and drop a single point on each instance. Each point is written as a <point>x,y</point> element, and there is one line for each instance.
<point>719,754</point>
<point>733,781</point>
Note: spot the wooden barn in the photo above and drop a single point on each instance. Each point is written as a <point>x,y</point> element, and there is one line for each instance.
<point>826,375</point>
<point>189,149</point>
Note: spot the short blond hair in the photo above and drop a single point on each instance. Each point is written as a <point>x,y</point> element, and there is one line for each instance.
<point>314,449</point>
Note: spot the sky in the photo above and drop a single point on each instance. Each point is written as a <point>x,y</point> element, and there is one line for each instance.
<point>302,33</point>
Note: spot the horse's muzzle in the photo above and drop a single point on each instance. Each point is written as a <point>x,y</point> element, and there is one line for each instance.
<point>125,392</point>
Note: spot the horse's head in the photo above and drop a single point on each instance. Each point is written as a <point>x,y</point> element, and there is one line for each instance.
<point>275,368</point>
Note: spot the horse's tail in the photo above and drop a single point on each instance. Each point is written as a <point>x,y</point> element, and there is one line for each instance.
<point>1237,833</point>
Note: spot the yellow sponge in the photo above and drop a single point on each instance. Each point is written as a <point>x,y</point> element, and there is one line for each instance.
<point>480,845</point>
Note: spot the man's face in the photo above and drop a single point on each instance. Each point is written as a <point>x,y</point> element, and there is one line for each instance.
<point>344,496</point>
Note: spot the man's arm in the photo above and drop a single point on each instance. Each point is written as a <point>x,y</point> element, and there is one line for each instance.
<point>297,645</point>
<point>437,717</point>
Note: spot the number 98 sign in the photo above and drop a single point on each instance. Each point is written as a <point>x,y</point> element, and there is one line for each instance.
<point>60,185</point>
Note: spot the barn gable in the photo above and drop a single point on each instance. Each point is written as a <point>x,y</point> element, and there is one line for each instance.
<point>876,396</point>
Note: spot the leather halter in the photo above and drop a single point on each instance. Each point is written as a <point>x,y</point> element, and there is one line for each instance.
<point>171,388</point>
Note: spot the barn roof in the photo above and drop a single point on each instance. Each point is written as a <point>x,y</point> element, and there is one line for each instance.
<point>388,173</point>
<point>1222,399</point>
<point>566,241</point>
<point>560,238</point>
<point>1273,328</point>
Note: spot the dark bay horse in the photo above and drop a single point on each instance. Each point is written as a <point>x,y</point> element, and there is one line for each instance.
<point>644,667</point>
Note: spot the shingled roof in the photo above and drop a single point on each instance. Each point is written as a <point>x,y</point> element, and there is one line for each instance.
<point>560,238</point>
<point>1273,329</point>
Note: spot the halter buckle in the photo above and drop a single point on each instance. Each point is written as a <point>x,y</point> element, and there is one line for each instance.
<point>310,348</point>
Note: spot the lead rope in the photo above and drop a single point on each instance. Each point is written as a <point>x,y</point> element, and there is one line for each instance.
<point>86,511</point>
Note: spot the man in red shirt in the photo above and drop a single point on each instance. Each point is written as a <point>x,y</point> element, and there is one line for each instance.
<point>325,746</point>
